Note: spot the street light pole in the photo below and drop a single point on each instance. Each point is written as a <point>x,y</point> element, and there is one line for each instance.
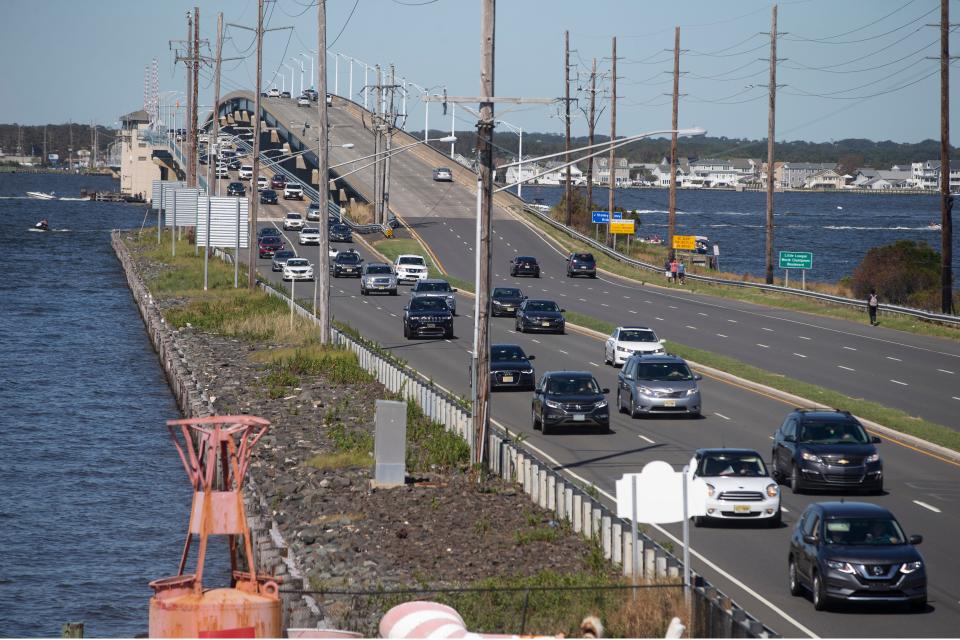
<point>309,55</point>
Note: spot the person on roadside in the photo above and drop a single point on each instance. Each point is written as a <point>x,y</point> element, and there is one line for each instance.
<point>673,270</point>
<point>872,303</point>
<point>681,271</point>
<point>666,268</point>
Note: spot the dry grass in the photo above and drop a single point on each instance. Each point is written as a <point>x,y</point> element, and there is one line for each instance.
<point>648,616</point>
<point>361,213</point>
<point>341,460</point>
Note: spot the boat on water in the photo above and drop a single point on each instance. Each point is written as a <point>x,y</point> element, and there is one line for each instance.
<point>40,195</point>
<point>84,199</point>
<point>934,226</point>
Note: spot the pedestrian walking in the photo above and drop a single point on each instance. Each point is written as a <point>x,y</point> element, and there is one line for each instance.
<point>673,270</point>
<point>681,271</point>
<point>872,303</point>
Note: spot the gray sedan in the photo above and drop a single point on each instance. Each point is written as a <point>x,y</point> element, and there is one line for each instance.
<point>657,384</point>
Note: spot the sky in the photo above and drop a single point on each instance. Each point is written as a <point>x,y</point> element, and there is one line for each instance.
<point>847,68</point>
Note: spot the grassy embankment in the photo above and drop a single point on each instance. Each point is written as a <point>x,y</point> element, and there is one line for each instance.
<point>393,247</point>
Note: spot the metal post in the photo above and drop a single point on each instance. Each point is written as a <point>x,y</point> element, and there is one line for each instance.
<point>672,215</point>
<point>336,74</point>
<point>568,205</point>
<point>946,200</point>
<point>520,166</point>
<point>634,534</point>
<point>686,538</point>
<point>351,80</point>
<point>173,229</point>
<point>453,125</point>
<point>613,137</point>
<point>236,251</point>
<point>426,120</point>
<point>366,89</point>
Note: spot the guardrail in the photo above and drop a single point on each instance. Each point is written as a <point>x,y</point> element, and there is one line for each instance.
<point>825,297</point>
<point>714,614</point>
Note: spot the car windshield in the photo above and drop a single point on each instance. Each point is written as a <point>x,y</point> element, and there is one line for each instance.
<point>572,385</point>
<point>340,228</point>
<point>307,232</point>
<point>428,304</point>
<point>863,531</point>
<point>507,352</point>
<point>834,432</point>
<point>269,231</point>
<point>503,292</point>
<point>270,240</point>
<point>378,269</point>
<point>542,305</point>
<point>637,335</point>
<point>433,286</point>
<point>297,262</point>
<point>281,255</point>
<point>527,259</point>
<point>586,257</point>
<point>294,216</point>
<point>411,260</point>
<point>746,464</point>
<point>348,258</point>
<point>672,371</point>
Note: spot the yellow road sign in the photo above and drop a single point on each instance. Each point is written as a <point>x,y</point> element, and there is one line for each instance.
<point>622,227</point>
<point>685,243</point>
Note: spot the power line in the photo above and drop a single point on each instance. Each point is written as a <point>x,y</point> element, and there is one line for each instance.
<point>872,95</point>
<point>870,24</point>
<point>872,82</point>
<point>803,67</point>
<point>693,52</point>
<point>869,55</point>
<point>825,41</point>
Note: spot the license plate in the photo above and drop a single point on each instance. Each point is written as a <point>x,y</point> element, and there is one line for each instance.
<point>741,508</point>
<point>545,324</point>
<point>669,403</point>
<point>579,417</point>
<point>430,325</point>
<point>508,378</point>
<point>508,308</point>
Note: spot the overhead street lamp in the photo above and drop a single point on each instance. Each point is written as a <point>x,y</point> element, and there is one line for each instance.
<point>518,131</point>
<point>292,69</point>
<point>310,57</point>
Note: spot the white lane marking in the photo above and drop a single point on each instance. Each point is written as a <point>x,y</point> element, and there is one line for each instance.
<point>945,371</point>
<point>469,352</point>
<point>534,340</point>
<point>804,338</point>
<point>850,348</point>
<point>604,304</point>
<point>671,306</point>
<point>563,352</point>
<point>595,364</point>
<point>470,316</point>
<point>649,301</point>
<point>765,346</point>
<point>564,295</point>
<point>606,293</point>
<point>582,299</point>
<point>643,437</point>
<point>732,321</point>
<point>691,327</point>
<point>508,244</point>
<point>658,318</point>
<point>846,368</point>
<point>459,238</point>
<point>701,314</point>
<point>766,328</point>
<point>394,315</point>
<point>894,359</point>
<point>512,331</point>
<point>632,311</point>
<point>771,437</point>
<point>626,297</point>
<point>446,340</point>
<point>956,397</point>
<point>364,302</point>
<point>799,355</point>
<point>927,506</point>
<point>784,509</point>
<point>898,382</point>
<point>721,415</point>
<point>720,335</point>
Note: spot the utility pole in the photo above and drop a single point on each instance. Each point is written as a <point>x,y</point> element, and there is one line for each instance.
<point>771,128</point>
<point>946,200</point>
<point>566,147</point>
<point>215,120</point>
<point>44,163</point>
<point>591,122</point>
<point>194,159</point>
<point>377,147</point>
<point>672,208</point>
<point>390,121</point>
<point>254,200</point>
<point>191,179</point>
<point>321,296</point>
<point>613,135</point>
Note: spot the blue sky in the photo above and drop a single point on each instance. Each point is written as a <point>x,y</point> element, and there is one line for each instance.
<point>849,68</point>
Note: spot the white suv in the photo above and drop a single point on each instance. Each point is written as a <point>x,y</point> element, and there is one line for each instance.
<point>293,191</point>
<point>410,267</point>
<point>626,341</point>
<point>245,172</point>
<point>293,221</point>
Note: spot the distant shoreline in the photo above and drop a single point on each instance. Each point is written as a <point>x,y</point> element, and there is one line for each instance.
<point>879,192</point>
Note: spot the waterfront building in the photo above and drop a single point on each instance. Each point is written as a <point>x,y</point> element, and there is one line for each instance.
<point>601,171</point>
<point>825,179</point>
<point>137,167</point>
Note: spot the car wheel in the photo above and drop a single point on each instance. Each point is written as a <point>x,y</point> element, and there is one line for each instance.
<point>820,600</point>
<point>878,490</point>
<point>699,521</point>
<point>793,580</point>
<point>543,426</point>
<point>620,402</point>
<point>448,334</point>
<point>513,274</point>
<point>363,291</point>
<point>796,485</point>
<point>606,360</point>
<point>406,332</point>
<point>775,521</point>
<point>519,327</point>
<point>533,416</point>
<point>634,411</point>
<point>594,276</point>
<point>393,292</point>
<point>774,471</point>
<point>919,605</point>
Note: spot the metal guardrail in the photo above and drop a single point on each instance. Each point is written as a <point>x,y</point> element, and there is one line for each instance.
<point>825,297</point>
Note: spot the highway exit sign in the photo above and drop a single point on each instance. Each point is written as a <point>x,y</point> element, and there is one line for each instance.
<point>796,260</point>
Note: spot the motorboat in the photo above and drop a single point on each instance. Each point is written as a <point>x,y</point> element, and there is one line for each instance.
<point>43,225</point>
<point>40,195</point>
<point>934,226</point>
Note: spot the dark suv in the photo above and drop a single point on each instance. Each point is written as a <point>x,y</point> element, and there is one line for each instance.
<point>236,189</point>
<point>524,266</point>
<point>581,264</point>
<point>427,317</point>
<point>856,552</point>
<point>569,398</point>
<point>540,315</point>
<point>826,449</point>
<point>504,301</point>
<point>346,263</point>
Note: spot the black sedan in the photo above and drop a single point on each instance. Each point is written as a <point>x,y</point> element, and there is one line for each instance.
<point>280,259</point>
<point>569,398</point>
<point>524,266</point>
<point>346,263</point>
<point>510,368</point>
<point>236,189</point>
<point>427,317</point>
<point>268,196</point>
<point>855,552</point>
<point>826,450</point>
<point>540,315</point>
<point>340,233</point>
<point>504,301</point>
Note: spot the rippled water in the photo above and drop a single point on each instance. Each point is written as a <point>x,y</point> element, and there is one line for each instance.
<point>93,500</point>
<point>839,228</point>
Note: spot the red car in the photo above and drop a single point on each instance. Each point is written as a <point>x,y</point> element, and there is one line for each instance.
<point>278,182</point>
<point>269,245</point>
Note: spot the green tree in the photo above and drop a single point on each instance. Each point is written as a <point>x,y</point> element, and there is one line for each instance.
<point>906,272</point>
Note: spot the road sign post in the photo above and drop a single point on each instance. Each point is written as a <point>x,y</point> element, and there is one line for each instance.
<point>802,260</point>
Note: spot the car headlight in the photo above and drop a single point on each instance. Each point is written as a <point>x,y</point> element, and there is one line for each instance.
<point>810,457</point>
<point>497,303</point>
<point>527,371</point>
<point>910,567</point>
<point>552,404</point>
<point>772,490</point>
<point>645,390</point>
<point>872,458</point>
<point>692,391</point>
<point>710,490</point>
<point>842,567</point>
<point>602,404</point>
<point>619,348</point>
<point>660,350</point>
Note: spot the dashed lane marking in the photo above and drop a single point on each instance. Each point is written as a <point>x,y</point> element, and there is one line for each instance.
<point>850,348</point>
<point>595,364</point>
<point>690,326</point>
<point>799,355</point>
<point>945,371</point>
<point>765,346</point>
<point>804,338</point>
<point>658,318</point>
<point>846,368</point>
<point>643,437</point>
<point>720,335</point>
<point>766,328</point>
<point>927,506</point>
<point>632,311</point>
<point>534,340</point>
<point>563,352</point>
<point>898,382</point>
<point>720,415</point>
<point>894,359</point>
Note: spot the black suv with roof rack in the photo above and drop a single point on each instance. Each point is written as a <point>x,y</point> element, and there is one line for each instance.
<point>826,449</point>
<point>581,264</point>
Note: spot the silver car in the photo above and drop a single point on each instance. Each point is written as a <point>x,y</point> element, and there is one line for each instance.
<point>657,384</point>
<point>436,288</point>
<point>378,276</point>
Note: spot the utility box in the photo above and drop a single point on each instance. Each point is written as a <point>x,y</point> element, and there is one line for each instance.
<point>390,444</point>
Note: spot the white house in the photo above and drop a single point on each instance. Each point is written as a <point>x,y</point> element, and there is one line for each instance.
<point>825,179</point>
<point>601,171</point>
<point>557,174</point>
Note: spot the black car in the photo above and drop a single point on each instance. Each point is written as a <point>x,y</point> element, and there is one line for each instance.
<point>564,398</point>
<point>540,315</point>
<point>346,263</point>
<point>581,264</point>
<point>235,164</point>
<point>524,266</point>
<point>268,196</point>
<point>280,259</point>
<point>510,368</point>
<point>825,449</point>
<point>236,189</point>
<point>427,317</point>
<point>855,552</point>
<point>340,233</point>
<point>269,245</point>
<point>504,301</point>
<point>267,231</point>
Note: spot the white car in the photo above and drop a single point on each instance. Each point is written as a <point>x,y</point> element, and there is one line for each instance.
<point>303,101</point>
<point>297,269</point>
<point>262,183</point>
<point>223,171</point>
<point>245,172</point>
<point>293,221</point>
<point>309,236</point>
<point>293,191</point>
<point>410,267</point>
<point>626,341</point>
<point>273,93</point>
<point>734,484</point>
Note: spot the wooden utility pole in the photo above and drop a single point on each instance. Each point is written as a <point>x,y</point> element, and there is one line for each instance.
<point>195,69</point>
<point>321,295</point>
<point>611,181</point>
<point>591,123</point>
<point>215,124</point>
<point>188,67</point>
<point>254,200</point>
<point>377,147</point>
<point>946,200</point>
<point>568,215</point>
<point>485,213</point>
<point>771,129</point>
<point>672,207</point>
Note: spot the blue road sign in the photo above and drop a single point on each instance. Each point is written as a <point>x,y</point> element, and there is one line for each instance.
<point>618,215</point>
<point>601,217</point>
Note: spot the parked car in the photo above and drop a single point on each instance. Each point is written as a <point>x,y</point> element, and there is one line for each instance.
<point>234,164</point>
<point>269,245</point>
<point>298,269</point>
<point>581,264</point>
<point>313,212</point>
<point>303,101</point>
<point>436,288</point>
<point>245,172</point>
<point>236,189</point>
<point>410,267</point>
<point>540,315</point>
<point>857,552</point>
<point>293,191</point>
<point>309,236</point>
<point>569,398</point>
<point>278,181</point>
<point>511,368</point>
<point>293,221</point>
<point>442,174</point>
<point>626,341</point>
<point>735,484</point>
<point>273,93</point>
<point>346,263</point>
<point>427,317</point>
<point>340,233</point>
<point>268,196</point>
<point>504,301</point>
<point>378,276</point>
<point>280,258</point>
<point>660,383</point>
<point>524,266</point>
<point>826,449</point>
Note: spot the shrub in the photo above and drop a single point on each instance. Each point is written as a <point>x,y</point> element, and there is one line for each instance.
<point>905,272</point>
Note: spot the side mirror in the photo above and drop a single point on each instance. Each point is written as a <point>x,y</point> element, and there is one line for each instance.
<point>453,290</point>
<point>916,539</point>
<point>406,308</point>
<point>661,341</point>
<point>810,539</point>
<point>531,357</point>
<point>604,391</point>
<point>563,310</point>
<point>697,376</point>
<point>524,297</point>
<point>875,440</point>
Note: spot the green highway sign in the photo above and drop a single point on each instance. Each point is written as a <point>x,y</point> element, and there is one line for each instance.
<point>796,260</point>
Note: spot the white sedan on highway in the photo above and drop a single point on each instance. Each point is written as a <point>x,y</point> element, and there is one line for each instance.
<point>309,236</point>
<point>734,484</point>
<point>293,220</point>
<point>626,341</point>
<point>297,269</point>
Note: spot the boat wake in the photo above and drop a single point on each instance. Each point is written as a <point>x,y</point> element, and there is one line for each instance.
<point>897,228</point>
